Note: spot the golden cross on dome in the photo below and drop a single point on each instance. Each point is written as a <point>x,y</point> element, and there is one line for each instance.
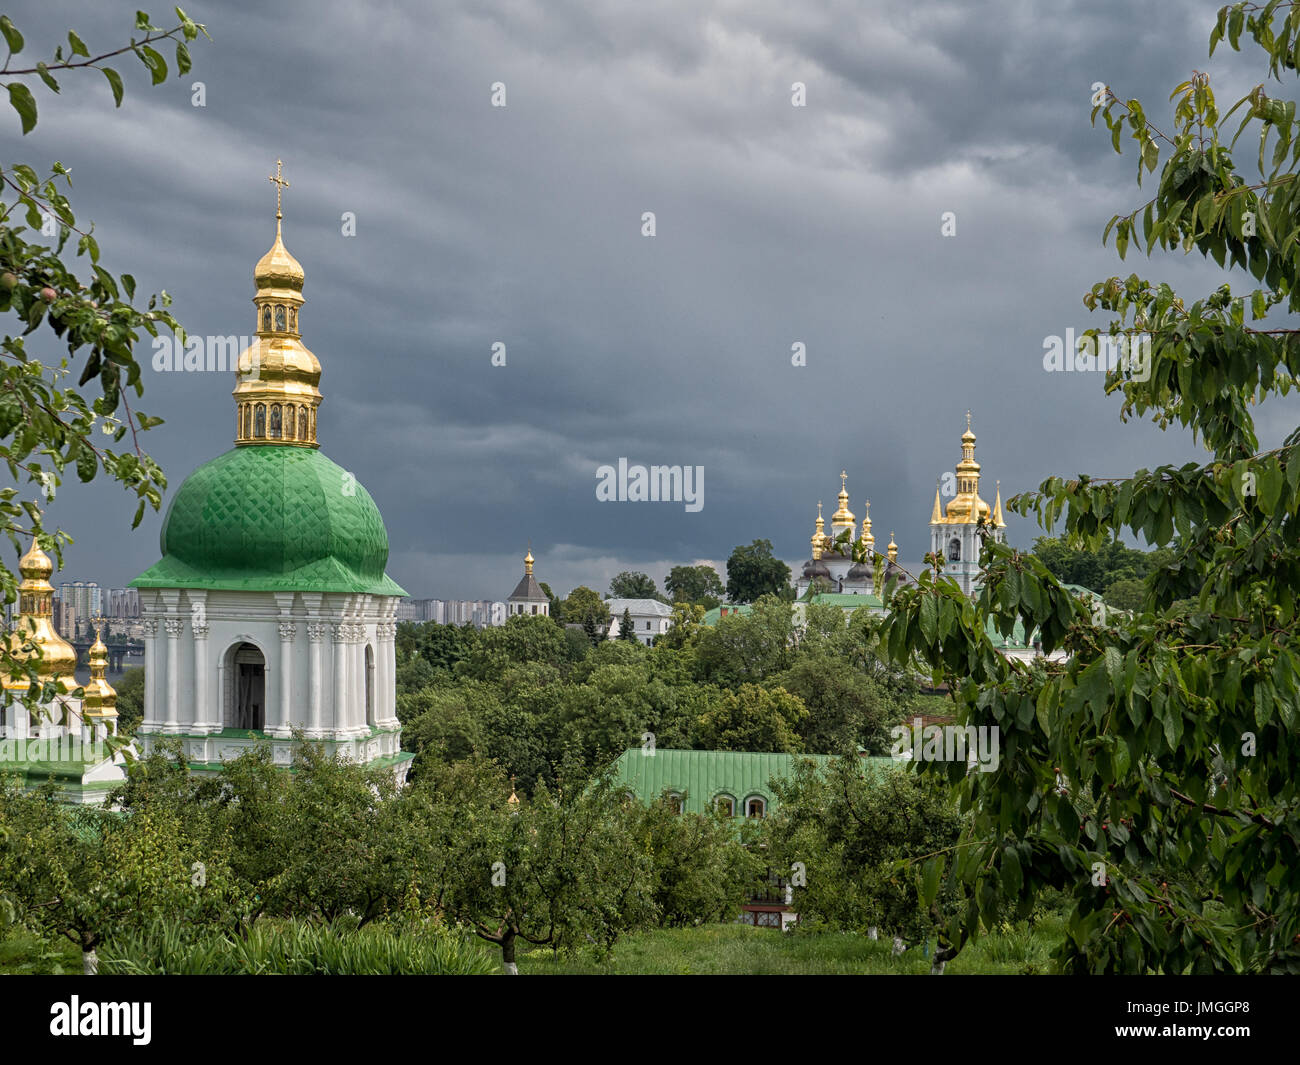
<point>968,421</point>
<point>280,186</point>
<point>843,477</point>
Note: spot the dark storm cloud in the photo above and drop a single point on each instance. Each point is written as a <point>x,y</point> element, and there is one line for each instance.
<point>522,225</point>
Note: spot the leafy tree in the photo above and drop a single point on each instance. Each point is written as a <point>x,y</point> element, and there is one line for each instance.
<point>700,585</point>
<point>701,871</point>
<point>585,607</point>
<point>626,627</point>
<point>1125,594</point>
<point>87,875</point>
<point>752,719</point>
<point>1166,737</point>
<point>752,573</point>
<point>749,647</point>
<point>629,585</point>
<point>47,425</point>
<point>846,709</point>
<point>559,869</point>
<point>130,700</point>
<point>685,625</point>
<point>855,834</point>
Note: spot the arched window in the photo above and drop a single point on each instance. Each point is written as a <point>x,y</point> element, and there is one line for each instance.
<point>290,420</point>
<point>279,318</point>
<point>275,421</point>
<point>954,550</point>
<point>259,428</point>
<point>755,806</point>
<point>293,319</point>
<point>676,803</point>
<point>726,805</point>
<point>266,319</point>
<point>245,683</point>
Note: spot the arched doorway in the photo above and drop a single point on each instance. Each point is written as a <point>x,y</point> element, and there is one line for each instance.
<point>245,696</point>
<point>370,686</point>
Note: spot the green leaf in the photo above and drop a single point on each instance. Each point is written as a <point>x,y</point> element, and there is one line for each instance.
<point>20,96</point>
<point>930,874</point>
<point>77,46</point>
<point>45,76</point>
<point>115,80</point>
<point>156,63</point>
<point>13,38</point>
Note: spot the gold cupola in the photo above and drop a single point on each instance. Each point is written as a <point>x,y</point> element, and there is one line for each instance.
<point>276,390</point>
<point>33,637</point>
<point>967,508</point>
<point>892,549</point>
<point>100,702</point>
<point>528,563</point>
<point>843,518</point>
<point>867,539</point>
<point>818,536</point>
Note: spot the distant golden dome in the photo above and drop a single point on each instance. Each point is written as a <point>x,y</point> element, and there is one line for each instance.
<point>33,637</point>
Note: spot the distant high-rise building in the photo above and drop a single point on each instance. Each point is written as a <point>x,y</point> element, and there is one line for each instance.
<point>85,598</point>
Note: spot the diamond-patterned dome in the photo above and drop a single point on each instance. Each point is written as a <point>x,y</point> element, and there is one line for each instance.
<point>272,518</point>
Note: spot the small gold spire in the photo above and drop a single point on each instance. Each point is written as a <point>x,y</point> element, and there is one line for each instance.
<point>892,549</point>
<point>997,508</point>
<point>936,516</point>
<point>528,563</point>
<point>280,186</point>
<point>819,536</point>
<point>101,699</point>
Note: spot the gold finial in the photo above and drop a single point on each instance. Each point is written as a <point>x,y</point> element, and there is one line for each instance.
<point>844,476</point>
<point>514,799</point>
<point>528,563</point>
<point>892,549</point>
<point>280,186</point>
<point>997,518</point>
<point>936,515</point>
<point>819,510</point>
<point>968,418</point>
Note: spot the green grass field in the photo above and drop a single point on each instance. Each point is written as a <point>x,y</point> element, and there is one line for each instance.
<point>728,949</point>
<point>718,949</point>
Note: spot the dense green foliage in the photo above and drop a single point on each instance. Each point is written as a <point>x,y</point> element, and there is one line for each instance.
<point>753,572</point>
<point>1153,775</point>
<point>1114,571</point>
<point>543,706</point>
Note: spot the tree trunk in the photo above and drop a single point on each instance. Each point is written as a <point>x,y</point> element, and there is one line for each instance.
<point>899,946</point>
<point>89,962</point>
<point>873,933</point>
<point>508,954</point>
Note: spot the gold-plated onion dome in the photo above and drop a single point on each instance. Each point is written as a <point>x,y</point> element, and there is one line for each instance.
<point>892,549</point>
<point>528,562</point>
<point>33,637</point>
<point>101,699</point>
<point>967,508</point>
<point>277,389</point>
<point>819,535</point>
<point>843,516</point>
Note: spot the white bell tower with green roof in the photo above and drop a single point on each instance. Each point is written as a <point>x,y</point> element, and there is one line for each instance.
<point>270,609</point>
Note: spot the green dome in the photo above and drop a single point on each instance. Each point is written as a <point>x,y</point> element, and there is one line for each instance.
<point>272,518</point>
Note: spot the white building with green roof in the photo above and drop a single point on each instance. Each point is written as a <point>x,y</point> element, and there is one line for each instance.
<point>270,609</point>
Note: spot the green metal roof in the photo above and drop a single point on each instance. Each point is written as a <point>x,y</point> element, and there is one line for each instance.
<point>272,518</point>
<point>848,600</point>
<point>702,776</point>
<point>711,616</point>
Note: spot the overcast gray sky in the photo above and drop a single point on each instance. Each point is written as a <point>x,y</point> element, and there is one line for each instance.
<point>775,225</point>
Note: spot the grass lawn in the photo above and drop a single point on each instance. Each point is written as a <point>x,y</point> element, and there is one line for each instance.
<point>720,949</point>
<point>735,949</point>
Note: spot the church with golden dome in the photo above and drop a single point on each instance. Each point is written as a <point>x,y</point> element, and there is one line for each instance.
<point>954,530</point>
<point>59,732</point>
<point>270,610</point>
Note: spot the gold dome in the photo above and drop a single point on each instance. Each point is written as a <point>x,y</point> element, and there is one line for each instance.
<point>843,516</point>
<point>100,699</point>
<point>33,637</point>
<point>892,549</point>
<point>277,389</point>
<point>277,268</point>
<point>528,562</point>
<point>967,507</point>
